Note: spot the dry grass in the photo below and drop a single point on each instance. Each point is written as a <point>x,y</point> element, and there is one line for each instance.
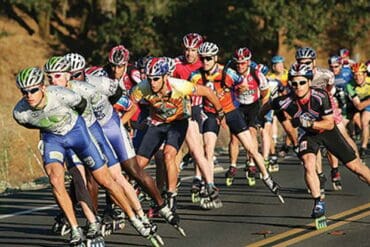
<point>19,158</point>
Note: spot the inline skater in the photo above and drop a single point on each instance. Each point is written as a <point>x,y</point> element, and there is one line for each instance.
<point>222,81</point>
<point>359,93</point>
<point>309,108</point>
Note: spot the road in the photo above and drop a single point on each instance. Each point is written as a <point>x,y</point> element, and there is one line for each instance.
<point>251,216</point>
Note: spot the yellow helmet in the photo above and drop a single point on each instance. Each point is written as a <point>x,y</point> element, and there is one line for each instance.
<point>358,67</point>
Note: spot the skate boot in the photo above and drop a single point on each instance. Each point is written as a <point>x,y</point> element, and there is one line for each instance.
<point>77,238</point>
<point>230,174</point>
<point>61,225</point>
<point>213,200</point>
<point>273,187</point>
<point>195,190</point>
<point>186,160</point>
<point>362,152</point>
<point>171,217</point>
<point>152,211</point>
<point>274,166</point>
<point>318,213</point>
<point>336,179</point>
<point>250,174</point>
<point>172,201</point>
<point>154,236</point>
<point>93,235</point>
<point>323,180</point>
<point>113,220</point>
<point>283,151</point>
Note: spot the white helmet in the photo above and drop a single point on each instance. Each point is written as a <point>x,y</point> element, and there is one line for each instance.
<point>29,77</point>
<point>76,61</point>
<point>305,52</point>
<point>208,49</point>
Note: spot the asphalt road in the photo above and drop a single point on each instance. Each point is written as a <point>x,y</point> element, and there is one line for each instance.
<point>250,215</point>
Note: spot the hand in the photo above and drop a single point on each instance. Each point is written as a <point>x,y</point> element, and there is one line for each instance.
<point>306,121</point>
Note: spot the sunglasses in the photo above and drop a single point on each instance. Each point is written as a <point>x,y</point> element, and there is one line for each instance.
<point>296,83</point>
<point>306,63</point>
<point>30,91</point>
<point>206,58</point>
<point>154,78</point>
<point>76,75</point>
<point>334,66</point>
<point>55,76</point>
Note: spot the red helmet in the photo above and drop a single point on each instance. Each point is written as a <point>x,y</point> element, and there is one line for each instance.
<point>119,55</point>
<point>242,55</point>
<point>192,40</point>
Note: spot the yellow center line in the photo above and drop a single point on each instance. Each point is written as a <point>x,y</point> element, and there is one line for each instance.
<point>331,227</point>
<point>298,230</point>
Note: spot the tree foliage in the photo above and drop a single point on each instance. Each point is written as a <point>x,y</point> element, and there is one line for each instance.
<point>156,27</point>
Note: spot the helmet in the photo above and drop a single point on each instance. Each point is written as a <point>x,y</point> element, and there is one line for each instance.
<point>305,52</point>
<point>368,66</point>
<point>192,40</point>
<point>171,64</point>
<point>156,67</point>
<point>57,64</point>
<point>263,68</point>
<point>300,70</point>
<point>141,62</point>
<point>208,49</point>
<point>119,55</point>
<point>242,55</point>
<point>29,77</point>
<point>96,71</point>
<point>277,59</point>
<point>358,67</point>
<point>344,52</point>
<point>76,61</point>
<point>335,59</point>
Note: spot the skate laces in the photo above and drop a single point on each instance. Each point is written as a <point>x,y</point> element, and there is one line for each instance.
<point>169,216</point>
<point>140,227</point>
<point>271,184</point>
<point>76,235</point>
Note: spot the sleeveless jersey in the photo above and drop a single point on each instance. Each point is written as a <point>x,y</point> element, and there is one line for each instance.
<point>173,106</point>
<point>222,90</point>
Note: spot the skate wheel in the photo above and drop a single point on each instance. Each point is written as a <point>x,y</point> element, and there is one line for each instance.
<point>229,181</point>
<point>182,232</point>
<point>195,197</point>
<point>55,228</point>
<point>65,230</point>
<point>154,241</point>
<point>337,187</point>
<point>320,223</point>
<point>281,199</point>
<point>159,239</point>
<point>251,181</point>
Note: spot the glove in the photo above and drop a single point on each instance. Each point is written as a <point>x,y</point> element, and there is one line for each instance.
<point>306,121</point>
<point>220,115</point>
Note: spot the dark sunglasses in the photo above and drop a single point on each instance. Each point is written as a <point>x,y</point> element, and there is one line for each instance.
<point>76,75</point>
<point>306,63</point>
<point>206,58</point>
<point>296,83</point>
<point>54,76</point>
<point>334,66</point>
<point>30,91</point>
<point>154,78</point>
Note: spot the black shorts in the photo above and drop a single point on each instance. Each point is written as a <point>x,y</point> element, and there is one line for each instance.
<point>210,124</point>
<point>250,113</point>
<point>332,140</point>
<point>234,120</point>
<point>169,133</point>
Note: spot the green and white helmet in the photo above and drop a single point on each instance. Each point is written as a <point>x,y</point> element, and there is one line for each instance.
<point>57,64</point>
<point>29,77</point>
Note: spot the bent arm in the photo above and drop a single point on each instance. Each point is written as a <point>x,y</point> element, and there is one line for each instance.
<point>209,94</point>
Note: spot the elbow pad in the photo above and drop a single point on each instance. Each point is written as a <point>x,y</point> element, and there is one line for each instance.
<point>116,96</point>
<point>80,107</point>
